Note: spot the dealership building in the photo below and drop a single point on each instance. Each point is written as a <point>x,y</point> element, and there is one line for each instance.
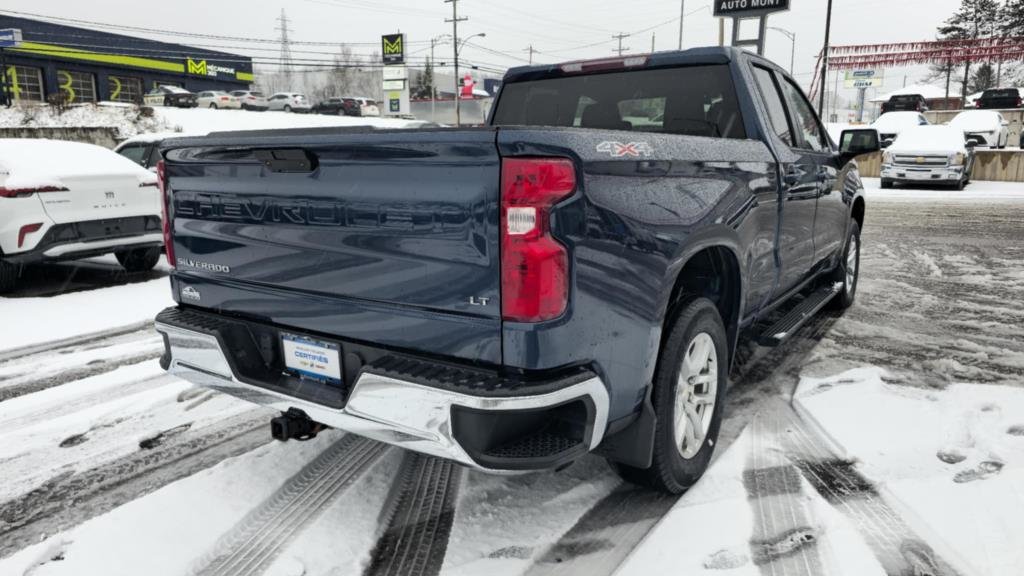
<point>91,66</point>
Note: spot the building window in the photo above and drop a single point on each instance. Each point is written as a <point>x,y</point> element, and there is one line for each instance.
<point>25,83</point>
<point>77,86</point>
<point>125,89</point>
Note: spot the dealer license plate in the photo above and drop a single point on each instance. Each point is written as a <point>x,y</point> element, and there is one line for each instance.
<point>312,358</point>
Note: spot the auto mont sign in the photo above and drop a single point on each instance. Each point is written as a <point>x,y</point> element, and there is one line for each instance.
<point>748,8</point>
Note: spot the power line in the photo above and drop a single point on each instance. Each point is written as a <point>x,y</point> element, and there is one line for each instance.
<point>455,47</point>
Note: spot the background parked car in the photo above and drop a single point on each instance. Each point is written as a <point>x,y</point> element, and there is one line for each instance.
<point>368,107</point>
<point>905,103</point>
<point>218,99</point>
<point>1000,99</point>
<point>289,102</point>
<point>934,154</point>
<point>891,124</point>
<point>986,127</point>
<point>68,200</point>
<point>339,106</point>
<point>251,100</point>
<point>170,96</point>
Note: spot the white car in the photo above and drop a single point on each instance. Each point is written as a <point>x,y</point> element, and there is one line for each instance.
<point>986,127</point>
<point>936,154</point>
<point>218,99</point>
<point>251,100</point>
<point>367,106</point>
<point>892,124</point>
<point>289,102</point>
<point>64,200</point>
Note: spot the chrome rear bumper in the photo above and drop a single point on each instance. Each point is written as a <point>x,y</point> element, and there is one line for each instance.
<point>398,412</point>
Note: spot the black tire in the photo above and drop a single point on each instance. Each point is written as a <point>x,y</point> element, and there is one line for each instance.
<point>886,184</point>
<point>213,105</point>
<point>848,294</point>
<point>8,276</point>
<point>139,260</point>
<point>960,185</point>
<point>167,102</point>
<point>670,471</point>
<point>287,108</point>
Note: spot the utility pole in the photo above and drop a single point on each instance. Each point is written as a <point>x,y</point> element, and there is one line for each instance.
<point>621,49</point>
<point>286,47</point>
<point>652,42</point>
<point>721,31</point>
<point>455,49</point>
<point>824,69</point>
<point>531,51</point>
<point>682,18</point>
<point>433,81</point>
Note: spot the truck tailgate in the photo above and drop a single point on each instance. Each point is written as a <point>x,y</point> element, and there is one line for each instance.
<point>391,238</point>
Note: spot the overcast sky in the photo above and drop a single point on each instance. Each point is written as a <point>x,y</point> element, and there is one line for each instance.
<point>565,30</point>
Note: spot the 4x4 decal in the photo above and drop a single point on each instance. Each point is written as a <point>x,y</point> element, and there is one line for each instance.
<point>621,150</point>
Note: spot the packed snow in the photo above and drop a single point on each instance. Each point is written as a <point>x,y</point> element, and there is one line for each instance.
<point>929,140</point>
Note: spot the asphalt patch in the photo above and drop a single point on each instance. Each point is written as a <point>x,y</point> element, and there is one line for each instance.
<point>835,479</point>
<point>776,481</point>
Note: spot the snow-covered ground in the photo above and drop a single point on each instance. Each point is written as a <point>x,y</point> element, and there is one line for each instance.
<point>886,441</point>
<point>129,122</point>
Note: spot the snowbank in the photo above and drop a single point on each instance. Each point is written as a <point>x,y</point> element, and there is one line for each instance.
<point>976,191</point>
<point>128,120</point>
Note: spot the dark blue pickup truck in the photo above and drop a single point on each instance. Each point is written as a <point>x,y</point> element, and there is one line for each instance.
<point>572,278</point>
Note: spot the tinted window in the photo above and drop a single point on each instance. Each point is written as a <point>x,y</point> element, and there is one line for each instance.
<point>696,101</point>
<point>136,153</point>
<point>1006,93</point>
<point>804,119</point>
<point>774,102</point>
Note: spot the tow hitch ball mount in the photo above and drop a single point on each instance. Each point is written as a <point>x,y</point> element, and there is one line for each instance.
<point>294,424</point>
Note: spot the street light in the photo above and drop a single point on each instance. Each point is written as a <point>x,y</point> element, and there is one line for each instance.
<point>433,68</point>
<point>458,82</point>
<point>792,39</point>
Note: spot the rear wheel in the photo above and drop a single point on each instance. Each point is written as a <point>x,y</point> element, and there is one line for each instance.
<point>886,184</point>
<point>213,105</point>
<point>8,276</point>
<point>139,260</point>
<point>848,271</point>
<point>688,396</point>
<point>287,108</point>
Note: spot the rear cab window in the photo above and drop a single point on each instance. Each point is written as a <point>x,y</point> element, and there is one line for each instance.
<point>691,100</point>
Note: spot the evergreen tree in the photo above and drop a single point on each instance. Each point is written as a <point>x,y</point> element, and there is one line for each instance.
<point>974,19</point>
<point>1012,19</point>
<point>424,82</point>
<point>983,79</point>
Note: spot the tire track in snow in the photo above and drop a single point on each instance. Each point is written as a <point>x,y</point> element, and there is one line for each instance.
<point>251,546</point>
<point>897,547</point>
<point>73,374</point>
<point>420,511</point>
<point>603,537</point>
<point>784,539</point>
<point>74,343</point>
<point>69,499</point>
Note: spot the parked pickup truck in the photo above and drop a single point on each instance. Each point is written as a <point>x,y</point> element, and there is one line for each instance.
<point>572,278</point>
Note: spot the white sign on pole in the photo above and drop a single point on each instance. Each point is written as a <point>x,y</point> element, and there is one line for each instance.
<point>873,78</point>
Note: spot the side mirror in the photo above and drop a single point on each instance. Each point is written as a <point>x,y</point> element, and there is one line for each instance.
<point>853,143</point>
<point>972,143</point>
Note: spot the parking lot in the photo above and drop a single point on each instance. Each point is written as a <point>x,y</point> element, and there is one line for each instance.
<point>126,456</point>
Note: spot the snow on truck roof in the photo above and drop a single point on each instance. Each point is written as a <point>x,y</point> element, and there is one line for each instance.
<point>34,163</point>
<point>977,120</point>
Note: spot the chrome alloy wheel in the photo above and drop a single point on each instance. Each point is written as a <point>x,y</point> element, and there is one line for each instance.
<point>851,264</point>
<point>696,391</point>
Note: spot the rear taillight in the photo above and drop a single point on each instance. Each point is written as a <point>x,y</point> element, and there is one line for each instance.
<point>165,211</point>
<point>534,266</point>
<point>25,192</point>
<point>977,103</point>
<point>1020,102</point>
<point>26,230</point>
<point>224,98</point>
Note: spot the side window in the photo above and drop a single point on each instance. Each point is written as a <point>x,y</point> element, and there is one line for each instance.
<point>776,107</point>
<point>803,117</point>
<point>134,153</point>
<point>154,155</point>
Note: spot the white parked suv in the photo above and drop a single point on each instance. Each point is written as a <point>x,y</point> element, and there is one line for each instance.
<point>66,200</point>
<point>289,102</point>
<point>986,127</point>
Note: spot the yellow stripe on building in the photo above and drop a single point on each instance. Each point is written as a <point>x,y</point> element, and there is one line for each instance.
<point>56,51</point>
<point>245,76</point>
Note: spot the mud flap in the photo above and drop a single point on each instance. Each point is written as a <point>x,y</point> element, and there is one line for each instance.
<point>634,445</point>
